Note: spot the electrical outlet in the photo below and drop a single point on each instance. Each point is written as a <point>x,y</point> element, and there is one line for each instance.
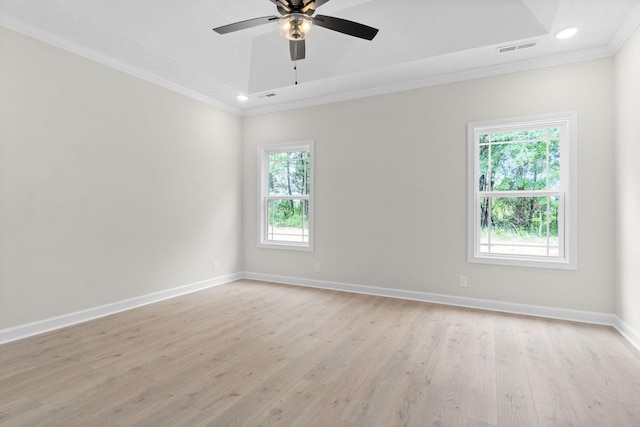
<point>317,268</point>
<point>464,281</point>
<point>216,265</point>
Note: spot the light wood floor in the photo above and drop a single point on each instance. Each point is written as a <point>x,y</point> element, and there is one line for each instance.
<point>259,354</point>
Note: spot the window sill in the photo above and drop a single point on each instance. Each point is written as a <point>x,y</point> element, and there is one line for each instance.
<point>286,246</point>
<point>559,264</point>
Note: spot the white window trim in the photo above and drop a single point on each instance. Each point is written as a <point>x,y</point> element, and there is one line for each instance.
<point>263,183</point>
<point>569,186</point>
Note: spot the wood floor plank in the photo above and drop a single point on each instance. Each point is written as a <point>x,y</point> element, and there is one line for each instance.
<point>469,422</point>
<point>12,409</point>
<point>480,394</point>
<point>212,395</point>
<point>383,395</point>
<point>12,367</point>
<point>265,397</point>
<point>291,405</point>
<point>556,416</point>
<point>106,394</point>
<point>515,400</point>
<point>253,353</point>
<point>435,406</point>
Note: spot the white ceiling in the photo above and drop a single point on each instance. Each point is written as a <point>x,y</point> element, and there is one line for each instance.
<point>421,42</point>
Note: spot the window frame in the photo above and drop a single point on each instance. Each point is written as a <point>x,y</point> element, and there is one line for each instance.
<point>567,221</point>
<point>263,194</point>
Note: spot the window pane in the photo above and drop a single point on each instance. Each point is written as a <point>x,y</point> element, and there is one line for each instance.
<point>288,221</point>
<point>521,161</point>
<point>484,169</point>
<point>520,166</point>
<point>554,160</point>
<point>519,225</point>
<point>289,173</point>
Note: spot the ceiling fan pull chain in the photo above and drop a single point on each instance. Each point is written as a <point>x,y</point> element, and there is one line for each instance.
<point>295,72</point>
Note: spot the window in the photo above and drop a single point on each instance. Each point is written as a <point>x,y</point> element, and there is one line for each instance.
<point>522,192</point>
<point>285,207</point>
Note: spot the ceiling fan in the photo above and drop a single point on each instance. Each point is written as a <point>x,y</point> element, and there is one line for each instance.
<point>297,20</point>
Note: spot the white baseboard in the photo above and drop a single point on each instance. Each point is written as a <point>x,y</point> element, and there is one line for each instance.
<point>24,331</point>
<point>626,331</point>
<point>597,318</point>
<point>482,304</point>
<point>35,328</point>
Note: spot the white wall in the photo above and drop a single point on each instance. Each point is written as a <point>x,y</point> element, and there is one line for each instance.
<point>391,187</point>
<point>627,181</point>
<point>110,187</point>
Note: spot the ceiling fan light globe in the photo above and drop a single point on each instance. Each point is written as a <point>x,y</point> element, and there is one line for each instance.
<point>295,26</point>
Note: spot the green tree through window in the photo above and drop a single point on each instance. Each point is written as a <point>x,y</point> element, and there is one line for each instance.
<point>288,217</point>
<point>521,161</point>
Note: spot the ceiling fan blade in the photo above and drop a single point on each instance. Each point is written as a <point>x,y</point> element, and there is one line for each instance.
<point>296,49</point>
<point>320,3</point>
<point>242,25</point>
<point>346,27</point>
<point>283,5</point>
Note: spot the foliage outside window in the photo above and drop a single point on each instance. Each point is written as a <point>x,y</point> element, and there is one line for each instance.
<point>522,192</point>
<point>286,188</point>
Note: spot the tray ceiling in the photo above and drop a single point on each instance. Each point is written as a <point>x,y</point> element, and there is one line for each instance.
<point>420,42</point>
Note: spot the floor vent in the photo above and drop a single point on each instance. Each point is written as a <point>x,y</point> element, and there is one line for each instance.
<point>514,47</point>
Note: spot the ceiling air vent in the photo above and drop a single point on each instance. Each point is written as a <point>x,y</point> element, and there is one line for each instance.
<point>514,47</point>
<point>267,95</point>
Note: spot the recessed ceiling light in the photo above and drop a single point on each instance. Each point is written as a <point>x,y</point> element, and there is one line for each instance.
<point>242,98</point>
<point>566,33</point>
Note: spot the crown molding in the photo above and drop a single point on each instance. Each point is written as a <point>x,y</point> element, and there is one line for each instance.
<point>477,73</point>
<point>625,30</point>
